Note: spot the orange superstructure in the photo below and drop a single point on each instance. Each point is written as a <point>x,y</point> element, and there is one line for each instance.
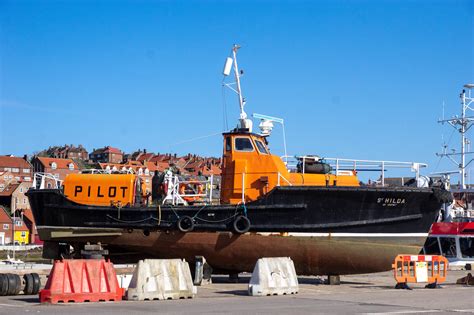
<point>104,189</point>
<point>249,171</point>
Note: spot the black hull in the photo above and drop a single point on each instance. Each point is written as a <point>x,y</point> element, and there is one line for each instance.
<point>337,222</point>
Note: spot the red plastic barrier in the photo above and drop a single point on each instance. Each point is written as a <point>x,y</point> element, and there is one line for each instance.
<point>81,280</point>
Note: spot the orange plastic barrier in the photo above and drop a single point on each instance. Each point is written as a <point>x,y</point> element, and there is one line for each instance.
<point>81,280</point>
<point>420,268</point>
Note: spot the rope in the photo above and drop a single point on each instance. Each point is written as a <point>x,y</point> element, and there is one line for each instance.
<point>126,221</point>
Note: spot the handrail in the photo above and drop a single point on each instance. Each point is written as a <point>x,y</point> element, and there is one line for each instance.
<point>343,164</point>
<point>39,180</point>
<point>286,180</point>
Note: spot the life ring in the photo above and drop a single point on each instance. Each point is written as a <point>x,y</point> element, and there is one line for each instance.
<point>241,224</point>
<point>185,224</point>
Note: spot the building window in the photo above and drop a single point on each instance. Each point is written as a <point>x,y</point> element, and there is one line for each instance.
<point>23,234</point>
<point>5,177</point>
<point>54,165</point>
<point>27,178</point>
<point>26,170</point>
<point>15,170</point>
<point>6,226</point>
<point>18,223</point>
<point>17,178</point>
<point>2,186</point>
<point>71,166</point>
<point>21,189</point>
<point>7,169</point>
<point>49,185</point>
<point>24,201</point>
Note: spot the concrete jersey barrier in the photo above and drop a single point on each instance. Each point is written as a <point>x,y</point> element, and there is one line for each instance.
<point>161,279</point>
<point>273,276</point>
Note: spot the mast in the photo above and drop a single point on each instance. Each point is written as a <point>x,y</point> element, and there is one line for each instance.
<point>464,123</point>
<point>244,122</point>
<point>243,114</point>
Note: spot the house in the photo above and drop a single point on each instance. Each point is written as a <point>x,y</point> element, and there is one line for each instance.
<point>6,178</point>
<point>28,219</point>
<point>5,227</point>
<point>21,231</point>
<point>106,155</point>
<point>19,168</point>
<point>59,168</point>
<point>67,152</point>
<point>13,197</point>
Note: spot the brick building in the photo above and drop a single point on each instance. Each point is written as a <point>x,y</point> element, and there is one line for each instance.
<point>19,168</point>
<point>13,196</point>
<point>106,155</point>
<point>68,152</point>
<point>59,168</point>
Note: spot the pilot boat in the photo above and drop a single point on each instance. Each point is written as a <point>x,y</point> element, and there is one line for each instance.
<point>317,213</point>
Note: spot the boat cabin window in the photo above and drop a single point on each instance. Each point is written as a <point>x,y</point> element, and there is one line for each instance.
<point>448,246</point>
<point>228,144</point>
<point>431,246</point>
<point>261,147</point>
<point>466,245</point>
<point>243,144</point>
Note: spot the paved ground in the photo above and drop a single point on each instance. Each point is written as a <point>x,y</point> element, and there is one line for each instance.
<point>361,294</point>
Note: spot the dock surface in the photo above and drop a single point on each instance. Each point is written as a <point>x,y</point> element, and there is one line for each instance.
<point>357,294</point>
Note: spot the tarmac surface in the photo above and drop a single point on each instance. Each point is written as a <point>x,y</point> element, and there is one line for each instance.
<point>357,294</point>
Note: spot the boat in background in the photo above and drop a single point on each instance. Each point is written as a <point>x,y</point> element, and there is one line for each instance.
<point>315,211</point>
<point>453,235</point>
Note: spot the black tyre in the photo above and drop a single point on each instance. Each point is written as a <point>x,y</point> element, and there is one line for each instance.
<point>18,285</point>
<point>36,283</point>
<point>3,284</point>
<point>241,224</point>
<point>29,284</point>
<point>185,224</point>
<point>12,283</point>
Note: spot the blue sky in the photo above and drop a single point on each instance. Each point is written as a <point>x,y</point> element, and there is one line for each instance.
<point>356,79</point>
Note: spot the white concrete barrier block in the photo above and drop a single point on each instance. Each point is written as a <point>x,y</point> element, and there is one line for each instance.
<point>124,280</point>
<point>161,279</point>
<point>273,276</point>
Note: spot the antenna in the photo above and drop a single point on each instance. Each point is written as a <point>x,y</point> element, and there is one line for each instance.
<point>244,122</point>
<point>464,123</point>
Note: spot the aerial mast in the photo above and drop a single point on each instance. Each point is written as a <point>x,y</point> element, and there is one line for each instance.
<point>462,124</point>
<point>245,123</point>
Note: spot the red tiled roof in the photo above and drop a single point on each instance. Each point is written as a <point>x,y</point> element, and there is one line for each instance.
<point>145,157</point>
<point>27,213</point>
<point>157,166</point>
<point>8,191</point>
<point>107,149</point>
<point>60,163</point>
<point>110,149</point>
<point>4,217</point>
<point>13,161</point>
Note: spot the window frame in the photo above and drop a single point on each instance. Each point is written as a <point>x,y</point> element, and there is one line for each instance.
<point>249,139</point>
<point>264,147</point>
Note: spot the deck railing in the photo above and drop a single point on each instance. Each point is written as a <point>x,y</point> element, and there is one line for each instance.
<point>342,166</point>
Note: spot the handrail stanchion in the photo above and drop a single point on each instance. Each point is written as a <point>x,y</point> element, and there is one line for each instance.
<point>278,180</point>
<point>210,189</point>
<point>383,174</point>
<point>243,187</point>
